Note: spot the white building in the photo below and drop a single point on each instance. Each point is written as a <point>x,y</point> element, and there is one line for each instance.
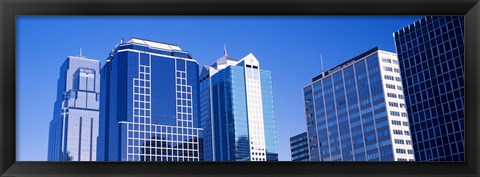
<point>356,111</point>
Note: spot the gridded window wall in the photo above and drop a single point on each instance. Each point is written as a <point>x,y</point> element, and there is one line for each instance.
<point>431,55</point>
<point>151,104</point>
<point>346,112</point>
<point>153,142</point>
<point>299,147</point>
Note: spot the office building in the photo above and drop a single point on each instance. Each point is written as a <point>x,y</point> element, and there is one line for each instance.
<point>431,56</point>
<point>237,111</point>
<point>149,104</point>
<point>299,147</point>
<point>74,128</point>
<point>356,111</point>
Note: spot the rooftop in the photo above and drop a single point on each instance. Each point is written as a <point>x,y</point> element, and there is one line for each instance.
<point>364,54</point>
<point>155,44</point>
<point>83,58</point>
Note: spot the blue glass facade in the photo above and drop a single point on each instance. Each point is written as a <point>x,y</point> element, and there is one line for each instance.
<point>431,55</point>
<point>347,115</point>
<point>299,147</point>
<point>149,104</point>
<point>229,115</point>
<point>268,115</point>
<point>74,128</point>
<point>225,113</point>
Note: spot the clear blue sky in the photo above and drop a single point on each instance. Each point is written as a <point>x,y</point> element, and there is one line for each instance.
<point>289,46</point>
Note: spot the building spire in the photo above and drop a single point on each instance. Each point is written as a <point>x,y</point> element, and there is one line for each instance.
<point>81,55</point>
<point>225,49</point>
<point>321,62</point>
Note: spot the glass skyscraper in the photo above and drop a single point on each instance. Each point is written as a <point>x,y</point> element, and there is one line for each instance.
<point>356,111</point>
<point>299,147</point>
<point>74,127</point>
<point>237,111</point>
<point>149,104</point>
<point>431,55</point>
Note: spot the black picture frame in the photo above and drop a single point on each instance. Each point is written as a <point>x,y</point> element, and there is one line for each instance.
<point>9,9</point>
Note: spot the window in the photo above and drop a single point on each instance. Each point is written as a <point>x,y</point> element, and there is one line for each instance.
<point>404,114</point>
<point>402,105</point>
<point>393,104</point>
<point>405,124</point>
<point>397,132</point>
<point>400,151</point>
<point>407,132</point>
<point>387,60</point>
<point>400,96</point>
<point>399,141</point>
<point>398,79</point>
<point>410,151</point>
<point>372,71</point>
<point>377,97</point>
<point>378,106</point>
<point>390,86</point>
<point>386,68</point>
<point>392,95</point>
<point>395,62</point>
<point>408,142</point>
<point>394,113</point>
<point>396,122</point>
<point>396,70</point>
<point>399,87</point>
<point>389,77</point>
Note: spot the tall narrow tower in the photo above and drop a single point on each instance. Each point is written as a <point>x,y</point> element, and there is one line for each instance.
<point>237,111</point>
<point>74,127</point>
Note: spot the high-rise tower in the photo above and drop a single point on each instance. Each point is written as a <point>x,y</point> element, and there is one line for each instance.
<point>74,127</point>
<point>149,104</point>
<point>356,111</point>
<point>431,56</point>
<point>237,111</point>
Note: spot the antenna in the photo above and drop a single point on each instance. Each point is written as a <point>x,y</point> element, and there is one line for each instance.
<point>225,49</point>
<point>81,55</point>
<point>321,62</point>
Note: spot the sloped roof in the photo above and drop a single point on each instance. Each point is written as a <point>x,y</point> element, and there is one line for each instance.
<point>155,44</point>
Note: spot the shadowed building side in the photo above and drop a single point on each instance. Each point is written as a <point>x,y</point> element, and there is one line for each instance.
<point>431,56</point>
<point>299,147</point>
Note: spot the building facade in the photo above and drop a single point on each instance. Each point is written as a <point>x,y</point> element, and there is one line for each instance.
<point>299,147</point>
<point>149,104</point>
<point>431,55</point>
<point>356,111</point>
<point>74,128</point>
<point>237,111</point>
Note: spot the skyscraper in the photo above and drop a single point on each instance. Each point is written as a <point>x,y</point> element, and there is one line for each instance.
<point>356,111</point>
<point>431,56</point>
<point>299,147</point>
<point>237,111</point>
<point>149,104</point>
<point>74,127</point>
